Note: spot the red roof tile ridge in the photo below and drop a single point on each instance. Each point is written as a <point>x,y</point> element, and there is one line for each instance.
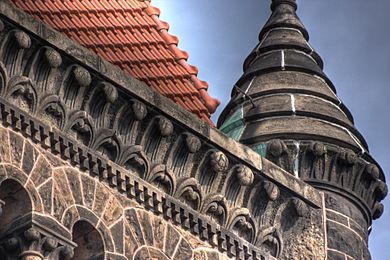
<point>181,57</point>
<point>130,35</point>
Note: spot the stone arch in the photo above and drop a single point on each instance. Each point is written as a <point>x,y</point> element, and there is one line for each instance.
<point>151,237</point>
<point>149,252</point>
<point>11,171</point>
<point>17,204</point>
<point>89,241</point>
<point>78,213</point>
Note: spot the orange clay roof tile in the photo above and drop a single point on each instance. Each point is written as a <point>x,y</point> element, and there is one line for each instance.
<point>130,35</point>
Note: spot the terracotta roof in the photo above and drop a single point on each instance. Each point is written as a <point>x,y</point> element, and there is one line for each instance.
<point>130,35</point>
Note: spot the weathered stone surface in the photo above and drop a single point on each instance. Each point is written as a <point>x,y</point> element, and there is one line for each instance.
<point>277,126</point>
<point>59,202</point>
<point>52,226</point>
<point>307,235</point>
<point>171,241</point>
<point>159,229</point>
<point>42,171</point>
<point>293,81</point>
<point>36,200</point>
<point>113,211</point>
<point>88,190</point>
<point>15,173</point>
<point>52,159</point>
<point>112,256</point>
<point>87,214</point>
<point>17,145</point>
<point>62,186</point>
<point>358,229</point>
<point>212,255</point>
<point>344,207</point>
<point>3,173</point>
<point>30,155</point>
<point>74,184</point>
<point>118,236</point>
<point>4,147</point>
<point>201,255</point>
<point>150,252</point>
<point>130,242</point>
<point>147,227</point>
<point>184,251</point>
<point>144,253</point>
<point>101,200</point>
<point>345,240</point>
<point>334,255</point>
<point>46,193</point>
<point>342,219</point>
<point>106,236</point>
<point>71,215</point>
<point>134,225</point>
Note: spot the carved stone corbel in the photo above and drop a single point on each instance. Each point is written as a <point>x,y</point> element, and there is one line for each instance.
<point>33,245</point>
<point>219,162</point>
<point>245,175</point>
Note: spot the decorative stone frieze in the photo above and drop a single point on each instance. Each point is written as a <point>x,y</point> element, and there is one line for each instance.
<point>321,163</point>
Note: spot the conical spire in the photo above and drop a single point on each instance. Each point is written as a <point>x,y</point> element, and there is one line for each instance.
<point>285,108</point>
<point>284,30</point>
<point>284,15</point>
<point>284,80</point>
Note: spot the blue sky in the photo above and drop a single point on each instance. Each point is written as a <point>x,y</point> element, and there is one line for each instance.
<point>352,37</point>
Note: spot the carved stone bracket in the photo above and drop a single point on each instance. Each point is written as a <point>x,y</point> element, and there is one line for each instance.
<point>219,162</point>
<point>330,167</point>
<point>245,175</point>
<point>34,245</point>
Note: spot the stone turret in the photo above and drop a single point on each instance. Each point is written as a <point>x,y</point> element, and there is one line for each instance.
<point>286,108</point>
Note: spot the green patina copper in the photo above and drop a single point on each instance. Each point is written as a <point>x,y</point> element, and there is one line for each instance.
<point>234,126</point>
<point>260,149</point>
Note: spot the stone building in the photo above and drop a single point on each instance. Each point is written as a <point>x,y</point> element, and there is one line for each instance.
<point>108,151</point>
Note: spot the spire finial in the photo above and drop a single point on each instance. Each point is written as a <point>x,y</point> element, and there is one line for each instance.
<point>276,3</point>
<point>284,15</point>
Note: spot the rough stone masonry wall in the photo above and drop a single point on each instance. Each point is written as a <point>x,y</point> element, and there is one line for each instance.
<point>62,194</point>
<point>347,230</point>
